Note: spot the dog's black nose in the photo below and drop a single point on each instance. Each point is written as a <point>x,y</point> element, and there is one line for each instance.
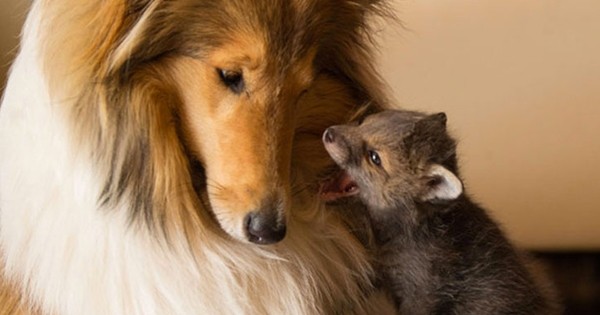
<point>329,135</point>
<point>264,228</point>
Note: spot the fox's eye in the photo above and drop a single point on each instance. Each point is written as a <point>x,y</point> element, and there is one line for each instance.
<point>234,80</point>
<point>374,157</point>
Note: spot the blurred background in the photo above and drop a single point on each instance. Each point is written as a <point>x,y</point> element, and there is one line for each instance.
<point>520,82</point>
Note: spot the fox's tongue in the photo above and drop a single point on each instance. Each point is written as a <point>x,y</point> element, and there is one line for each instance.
<point>338,187</point>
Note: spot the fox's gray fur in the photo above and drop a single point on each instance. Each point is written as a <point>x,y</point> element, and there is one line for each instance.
<point>438,252</point>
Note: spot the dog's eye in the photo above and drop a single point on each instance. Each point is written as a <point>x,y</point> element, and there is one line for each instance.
<point>232,79</point>
<point>374,157</point>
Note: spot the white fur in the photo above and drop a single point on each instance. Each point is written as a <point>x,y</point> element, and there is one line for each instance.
<point>72,258</point>
<point>449,188</point>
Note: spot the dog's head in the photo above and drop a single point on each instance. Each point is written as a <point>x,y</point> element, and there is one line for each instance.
<point>218,82</point>
<point>239,104</point>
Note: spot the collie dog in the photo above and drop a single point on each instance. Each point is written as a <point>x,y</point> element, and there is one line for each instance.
<point>164,156</point>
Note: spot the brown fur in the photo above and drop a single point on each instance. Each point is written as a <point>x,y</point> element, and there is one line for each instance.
<point>9,300</point>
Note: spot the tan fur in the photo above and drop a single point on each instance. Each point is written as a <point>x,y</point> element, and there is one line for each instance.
<point>145,114</point>
<point>9,300</point>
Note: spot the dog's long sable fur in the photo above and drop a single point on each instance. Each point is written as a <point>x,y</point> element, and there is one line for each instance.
<point>439,252</point>
<point>150,149</point>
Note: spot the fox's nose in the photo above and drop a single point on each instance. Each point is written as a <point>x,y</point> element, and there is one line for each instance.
<point>329,135</point>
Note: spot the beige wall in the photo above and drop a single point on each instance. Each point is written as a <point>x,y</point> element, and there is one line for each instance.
<point>520,81</point>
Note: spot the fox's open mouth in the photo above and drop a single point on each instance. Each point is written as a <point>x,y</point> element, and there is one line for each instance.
<point>340,186</point>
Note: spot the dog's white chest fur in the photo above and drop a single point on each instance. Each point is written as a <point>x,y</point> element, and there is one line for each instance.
<point>75,259</point>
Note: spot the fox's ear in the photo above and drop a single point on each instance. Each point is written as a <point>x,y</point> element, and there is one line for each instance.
<point>433,121</point>
<point>429,125</point>
<point>440,118</point>
<point>441,184</point>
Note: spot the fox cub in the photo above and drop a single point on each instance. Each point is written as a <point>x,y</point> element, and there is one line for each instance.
<point>438,252</point>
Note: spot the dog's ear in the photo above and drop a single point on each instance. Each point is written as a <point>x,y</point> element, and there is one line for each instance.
<point>440,184</point>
